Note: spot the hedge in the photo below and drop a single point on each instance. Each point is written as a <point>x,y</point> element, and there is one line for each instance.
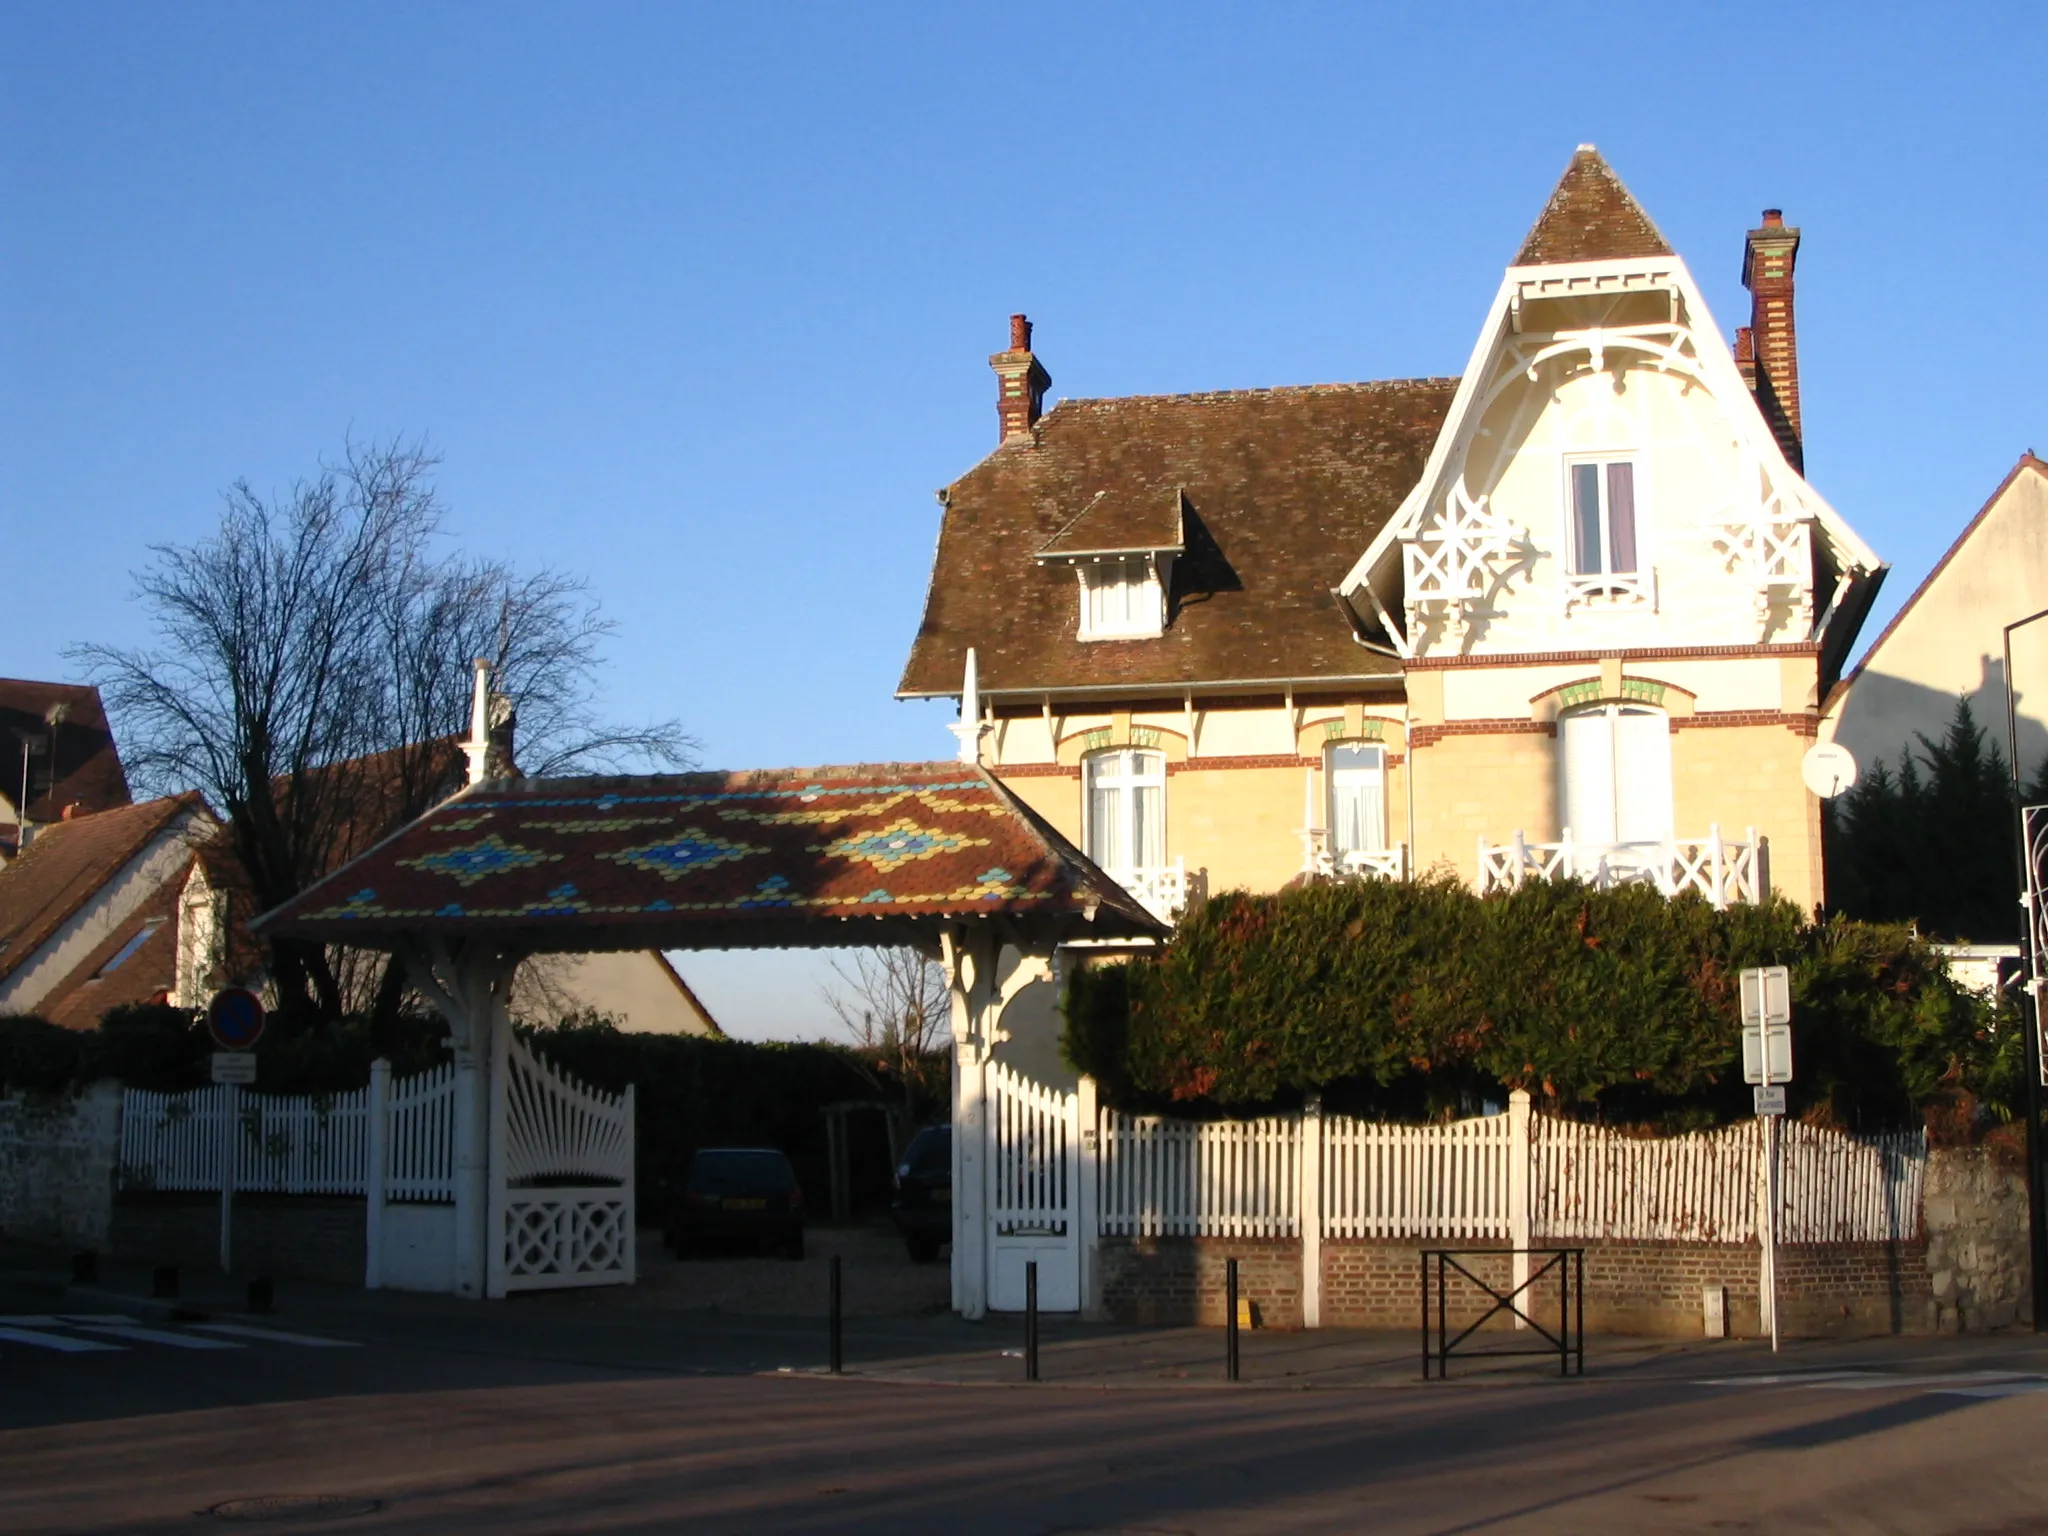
<point>1412,998</point>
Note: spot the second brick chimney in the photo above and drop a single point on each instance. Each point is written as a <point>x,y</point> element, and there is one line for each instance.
<point>1022,383</point>
<point>1767,349</point>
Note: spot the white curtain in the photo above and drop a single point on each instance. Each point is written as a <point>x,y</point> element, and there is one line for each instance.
<point>1358,799</point>
<point>1617,774</point>
<point>1126,821</point>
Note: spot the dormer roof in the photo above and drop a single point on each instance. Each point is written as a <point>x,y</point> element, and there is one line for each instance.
<point>1122,521</point>
<point>1590,217</point>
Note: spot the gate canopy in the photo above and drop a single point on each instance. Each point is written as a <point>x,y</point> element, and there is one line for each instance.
<point>777,858</point>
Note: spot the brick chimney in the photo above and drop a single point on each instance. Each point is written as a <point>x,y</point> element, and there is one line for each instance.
<point>1767,349</point>
<point>1020,397</point>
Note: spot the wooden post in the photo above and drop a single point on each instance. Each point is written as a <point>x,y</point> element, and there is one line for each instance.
<point>376,1170</point>
<point>1519,1213</point>
<point>969,958</point>
<point>1310,1205</point>
<point>1088,1195</point>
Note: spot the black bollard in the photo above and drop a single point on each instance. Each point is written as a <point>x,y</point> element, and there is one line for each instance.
<point>1230,1320</point>
<point>85,1267</point>
<point>163,1282</point>
<point>1031,1320</point>
<point>837,1344</point>
<point>262,1295</point>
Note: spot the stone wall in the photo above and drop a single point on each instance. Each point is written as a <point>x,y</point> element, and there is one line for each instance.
<point>310,1237</point>
<point>1975,1211</point>
<point>58,1156</point>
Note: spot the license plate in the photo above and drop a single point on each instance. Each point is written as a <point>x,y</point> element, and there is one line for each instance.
<point>746,1205</point>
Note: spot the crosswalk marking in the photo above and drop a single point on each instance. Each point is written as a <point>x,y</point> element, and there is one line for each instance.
<point>277,1336</point>
<point>143,1335</point>
<point>58,1341</point>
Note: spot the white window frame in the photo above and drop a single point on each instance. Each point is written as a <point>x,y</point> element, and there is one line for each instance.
<point>1375,837</point>
<point>1638,586</point>
<point>1124,771</point>
<point>1142,580</point>
<point>1612,834</point>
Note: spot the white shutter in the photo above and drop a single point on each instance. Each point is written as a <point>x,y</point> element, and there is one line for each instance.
<point>1642,775</point>
<point>1587,743</point>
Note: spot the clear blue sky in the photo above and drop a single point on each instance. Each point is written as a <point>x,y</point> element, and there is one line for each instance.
<point>697,301</point>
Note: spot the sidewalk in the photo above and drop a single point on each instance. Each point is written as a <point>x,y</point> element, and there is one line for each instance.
<point>641,1330</point>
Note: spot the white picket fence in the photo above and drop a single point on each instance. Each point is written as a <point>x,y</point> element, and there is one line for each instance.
<point>1158,1177</point>
<point>307,1144</point>
<point>1032,1154</point>
<point>562,1201</point>
<point>1186,1178</point>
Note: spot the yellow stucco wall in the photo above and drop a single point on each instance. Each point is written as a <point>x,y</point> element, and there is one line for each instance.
<point>1468,787</point>
<point>1748,776</point>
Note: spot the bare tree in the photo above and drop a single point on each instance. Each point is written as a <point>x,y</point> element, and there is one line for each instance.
<point>311,669</point>
<point>894,1004</point>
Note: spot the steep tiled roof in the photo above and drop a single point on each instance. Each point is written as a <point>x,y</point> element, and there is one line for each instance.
<point>67,863</point>
<point>1590,217</point>
<point>144,975</point>
<point>805,856</point>
<point>88,769</point>
<point>1283,487</point>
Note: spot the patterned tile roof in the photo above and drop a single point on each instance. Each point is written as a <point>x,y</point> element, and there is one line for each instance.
<point>1282,487</point>
<point>1590,217</point>
<point>780,857</point>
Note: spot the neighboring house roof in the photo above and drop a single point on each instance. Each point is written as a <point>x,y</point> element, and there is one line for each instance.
<point>1590,217</point>
<point>136,963</point>
<point>2028,464</point>
<point>715,860</point>
<point>1282,488</point>
<point>67,863</point>
<point>88,770</point>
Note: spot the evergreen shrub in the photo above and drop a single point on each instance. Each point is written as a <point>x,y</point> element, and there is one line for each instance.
<point>1413,999</point>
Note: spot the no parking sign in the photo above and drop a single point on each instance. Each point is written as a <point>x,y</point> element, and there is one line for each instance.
<point>235,1019</point>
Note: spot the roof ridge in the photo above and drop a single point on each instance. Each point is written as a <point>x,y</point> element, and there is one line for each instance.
<point>1591,216</point>
<point>1339,386</point>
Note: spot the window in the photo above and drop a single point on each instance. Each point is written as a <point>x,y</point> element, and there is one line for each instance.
<point>1357,776</point>
<point>126,952</point>
<point>1603,518</point>
<point>1125,813</point>
<point>1617,773</point>
<point>1120,599</point>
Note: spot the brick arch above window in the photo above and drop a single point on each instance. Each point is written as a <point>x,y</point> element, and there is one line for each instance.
<point>1679,703</point>
<point>1079,741</point>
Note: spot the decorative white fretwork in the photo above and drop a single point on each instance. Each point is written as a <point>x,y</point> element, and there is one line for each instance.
<point>562,1196</point>
<point>1770,544</point>
<point>1453,564</point>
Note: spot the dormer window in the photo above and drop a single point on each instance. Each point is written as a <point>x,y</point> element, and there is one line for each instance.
<point>1122,599</point>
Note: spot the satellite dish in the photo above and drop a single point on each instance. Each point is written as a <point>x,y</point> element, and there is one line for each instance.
<point>1828,769</point>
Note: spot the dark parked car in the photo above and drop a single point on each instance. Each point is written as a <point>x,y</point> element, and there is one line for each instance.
<point>738,1198</point>
<point>923,1206</point>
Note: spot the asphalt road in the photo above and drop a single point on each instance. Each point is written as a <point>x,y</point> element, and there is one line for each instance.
<point>555,1418</point>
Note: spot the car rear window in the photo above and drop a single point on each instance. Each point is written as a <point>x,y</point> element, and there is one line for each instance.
<point>741,1173</point>
<point>930,1151</point>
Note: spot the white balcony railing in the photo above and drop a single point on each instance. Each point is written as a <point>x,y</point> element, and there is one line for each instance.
<point>1319,857</point>
<point>1720,870</point>
<point>1162,889</point>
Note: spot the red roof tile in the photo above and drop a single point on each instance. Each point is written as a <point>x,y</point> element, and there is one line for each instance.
<point>143,975</point>
<point>702,860</point>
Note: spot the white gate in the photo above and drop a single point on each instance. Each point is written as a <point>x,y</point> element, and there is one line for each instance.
<point>1033,1173</point>
<point>562,1211</point>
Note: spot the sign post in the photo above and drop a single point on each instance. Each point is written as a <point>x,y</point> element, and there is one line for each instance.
<point>1767,1065</point>
<point>235,1020</point>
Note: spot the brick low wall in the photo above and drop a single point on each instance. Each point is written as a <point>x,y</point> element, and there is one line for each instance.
<point>309,1237</point>
<point>1824,1289</point>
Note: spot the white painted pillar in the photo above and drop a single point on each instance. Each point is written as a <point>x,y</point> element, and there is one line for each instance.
<point>632,1191</point>
<point>1520,1212</point>
<point>969,959</point>
<point>1087,1195</point>
<point>472,1194</point>
<point>499,1057</point>
<point>376,1170</point>
<point>1310,1205</point>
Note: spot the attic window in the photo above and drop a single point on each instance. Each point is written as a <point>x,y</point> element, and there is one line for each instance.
<point>1121,599</point>
<point>126,952</point>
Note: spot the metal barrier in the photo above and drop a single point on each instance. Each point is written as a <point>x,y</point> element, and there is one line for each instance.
<point>1568,1342</point>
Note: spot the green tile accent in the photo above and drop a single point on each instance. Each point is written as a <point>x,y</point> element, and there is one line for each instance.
<point>1144,736</point>
<point>1095,740</point>
<point>1638,690</point>
<point>1587,692</point>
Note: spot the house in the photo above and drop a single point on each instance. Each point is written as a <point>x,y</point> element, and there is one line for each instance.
<point>1948,642</point>
<point>1573,611</point>
<point>56,753</point>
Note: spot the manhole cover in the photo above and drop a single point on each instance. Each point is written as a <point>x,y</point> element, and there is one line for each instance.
<point>283,1507</point>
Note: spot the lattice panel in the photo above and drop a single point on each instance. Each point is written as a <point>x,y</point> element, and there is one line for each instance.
<point>567,1237</point>
<point>556,1128</point>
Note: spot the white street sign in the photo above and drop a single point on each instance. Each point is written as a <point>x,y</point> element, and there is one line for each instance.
<point>1769,1101</point>
<point>1766,1024</point>
<point>234,1067</point>
<point>1767,994</point>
